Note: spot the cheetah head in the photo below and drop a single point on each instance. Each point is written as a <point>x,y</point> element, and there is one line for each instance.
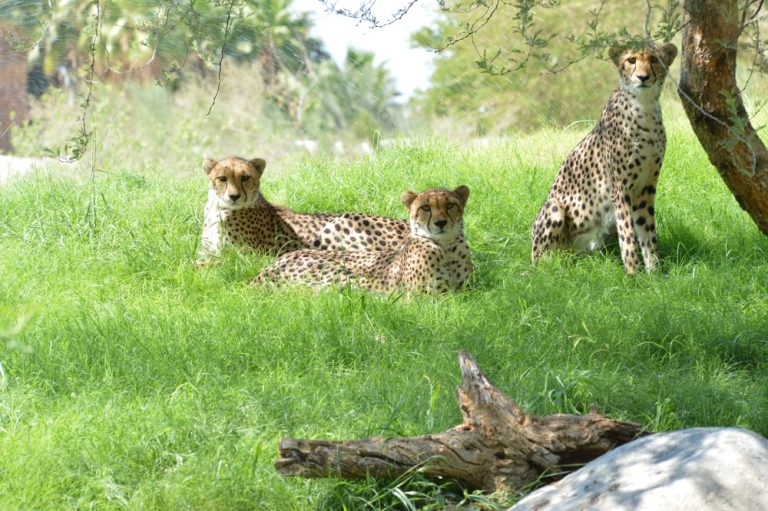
<point>235,180</point>
<point>437,213</point>
<point>643,71</point>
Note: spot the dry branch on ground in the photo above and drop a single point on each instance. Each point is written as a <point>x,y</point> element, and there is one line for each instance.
<point>497,447</point>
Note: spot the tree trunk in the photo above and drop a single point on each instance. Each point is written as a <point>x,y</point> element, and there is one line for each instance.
<point>711,99</point>
<point>13,86</point>
<point>497,447</point>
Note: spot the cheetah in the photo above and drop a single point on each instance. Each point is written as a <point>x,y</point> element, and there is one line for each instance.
<point>607,184</point>
<point>237,213</point>
<point>433,258</point>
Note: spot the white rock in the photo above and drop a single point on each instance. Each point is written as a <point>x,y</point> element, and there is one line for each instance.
<point>13,166</point>
<point>702,469</point>
<point>308,145</point>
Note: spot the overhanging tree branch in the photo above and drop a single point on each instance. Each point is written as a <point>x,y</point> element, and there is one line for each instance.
<point>365,12</point>
<point>227,26</point>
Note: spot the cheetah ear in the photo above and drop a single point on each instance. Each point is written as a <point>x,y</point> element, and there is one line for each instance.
<point>208,165</point>
<point>668,53</point>
<point>462,192</point>
<point>259,164</point>
<point>615,53</point>
<point>407,199</point>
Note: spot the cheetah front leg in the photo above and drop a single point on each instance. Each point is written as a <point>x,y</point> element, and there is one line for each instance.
<point>622,203</point>
<point>211,239</point>
<point>548,229</point>
<point>643,218</point>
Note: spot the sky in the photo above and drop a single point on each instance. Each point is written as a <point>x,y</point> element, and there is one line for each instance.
<point>410,67</point>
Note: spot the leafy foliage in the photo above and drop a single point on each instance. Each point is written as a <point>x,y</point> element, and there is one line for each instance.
<point>358,97</point>
<point>80,44</point>
<point>506,66</point>
<point>156,39</point>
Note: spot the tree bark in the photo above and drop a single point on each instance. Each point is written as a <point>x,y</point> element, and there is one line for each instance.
<point>497,447</point>
<point>707,81</point>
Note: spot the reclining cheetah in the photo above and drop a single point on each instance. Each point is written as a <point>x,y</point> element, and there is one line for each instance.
<point>433,258</point>
<point>236,212</point>
<point>607,183</point>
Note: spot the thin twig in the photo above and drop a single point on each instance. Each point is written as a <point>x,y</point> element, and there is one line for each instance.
<point>92,66</point>
<point>365,12</point>
<point>744,20</point>
<point>82,139</point>
<point>476,26</point>
<point>221,58</point>
<point>45,24</point>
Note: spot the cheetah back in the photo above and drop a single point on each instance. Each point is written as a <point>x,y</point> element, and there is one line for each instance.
<point>418,265</point>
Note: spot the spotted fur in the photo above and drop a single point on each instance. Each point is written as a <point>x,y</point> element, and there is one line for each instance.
<point>607,183</point>
<point>237,213</point>
<point>433,258</point>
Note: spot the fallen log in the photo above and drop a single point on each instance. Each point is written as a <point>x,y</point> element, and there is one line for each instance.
<point>497,447</point>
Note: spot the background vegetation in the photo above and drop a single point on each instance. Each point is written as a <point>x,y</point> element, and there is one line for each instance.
<point>97,52</point>
<point>277,76</point>
<point>496,75</point>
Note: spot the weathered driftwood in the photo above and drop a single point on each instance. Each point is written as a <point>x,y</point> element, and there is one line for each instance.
<point>497,447</point>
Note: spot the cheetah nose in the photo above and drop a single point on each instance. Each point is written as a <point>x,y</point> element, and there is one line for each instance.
<point>643,78</point>
<point>441,223</point>
<point>234,196</point>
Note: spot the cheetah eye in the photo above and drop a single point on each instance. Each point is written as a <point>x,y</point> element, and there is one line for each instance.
<point>631,60</point>
<point>654,59</point>
<point>425,207</point>
<point>245,178</point>
<point>223,179</point>
<point>450,206</point>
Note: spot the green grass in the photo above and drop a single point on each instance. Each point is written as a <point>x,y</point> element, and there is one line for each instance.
<point>132,380</point>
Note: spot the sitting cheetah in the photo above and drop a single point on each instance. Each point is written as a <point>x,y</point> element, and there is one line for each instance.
<point>433,258</point>
<point>236,212</point>
<point>607,184</point>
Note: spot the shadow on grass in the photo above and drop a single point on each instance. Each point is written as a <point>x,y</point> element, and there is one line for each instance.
<point>681,246</point>
<point>409,491</point>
